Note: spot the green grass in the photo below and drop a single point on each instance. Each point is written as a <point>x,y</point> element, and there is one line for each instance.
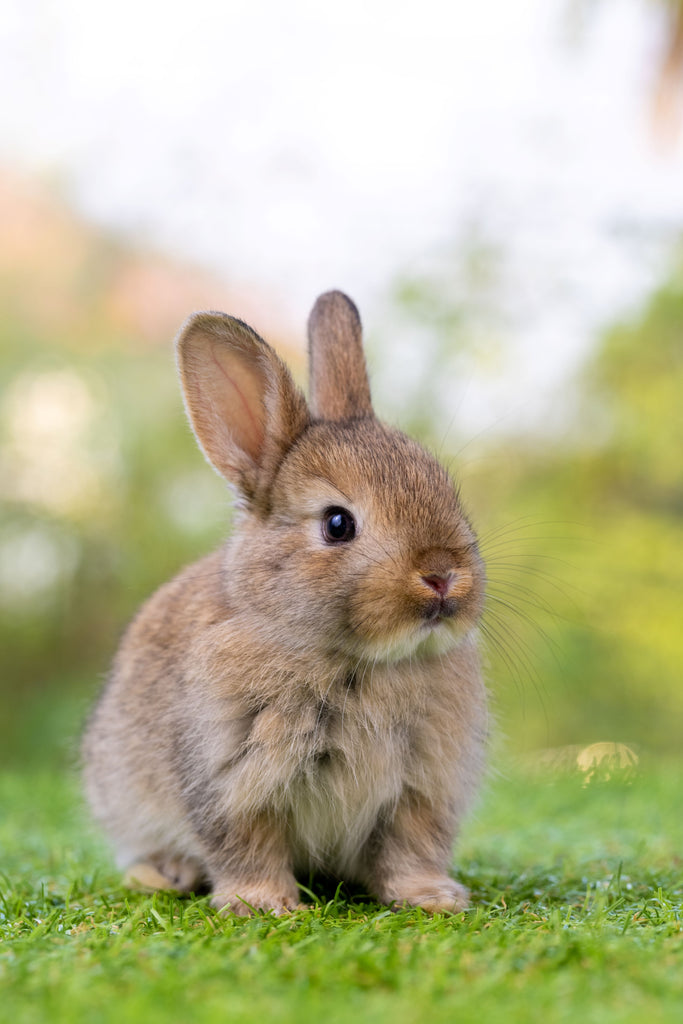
<point>576,916</point>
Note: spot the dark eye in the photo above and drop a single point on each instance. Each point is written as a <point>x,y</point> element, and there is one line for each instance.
<point>338,526</point>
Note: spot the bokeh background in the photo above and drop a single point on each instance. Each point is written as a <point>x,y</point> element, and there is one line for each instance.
<point>500,188</point>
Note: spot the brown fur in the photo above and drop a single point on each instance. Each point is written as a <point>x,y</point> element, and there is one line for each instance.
<point>286,704</point>
<point>335,353</point>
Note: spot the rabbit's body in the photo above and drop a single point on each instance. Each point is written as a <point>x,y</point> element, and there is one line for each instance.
<point>301,700</point>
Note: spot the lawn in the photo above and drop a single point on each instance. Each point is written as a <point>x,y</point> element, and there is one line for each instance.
<point>576,916</point>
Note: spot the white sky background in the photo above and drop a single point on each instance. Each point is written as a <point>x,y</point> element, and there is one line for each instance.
<point>302,145</point>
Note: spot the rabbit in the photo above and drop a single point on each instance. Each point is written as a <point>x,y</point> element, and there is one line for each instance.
<point>309,698</point>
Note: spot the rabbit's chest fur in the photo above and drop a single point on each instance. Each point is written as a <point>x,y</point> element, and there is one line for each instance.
<point>326,771</point>
<point>329,766</point>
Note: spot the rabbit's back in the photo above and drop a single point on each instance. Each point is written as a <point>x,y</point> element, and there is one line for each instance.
<point>135,732</point>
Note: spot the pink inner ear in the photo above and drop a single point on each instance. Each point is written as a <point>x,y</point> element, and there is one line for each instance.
<point>234,385</point>
<point>239,396</point>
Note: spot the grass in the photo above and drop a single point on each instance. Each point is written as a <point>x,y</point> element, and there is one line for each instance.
<point>576,916</point>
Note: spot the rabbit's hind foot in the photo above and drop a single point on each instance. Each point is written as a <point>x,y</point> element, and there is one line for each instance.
<point>176,874</point>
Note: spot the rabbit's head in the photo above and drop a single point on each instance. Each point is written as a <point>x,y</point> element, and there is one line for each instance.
<point>352,541</point>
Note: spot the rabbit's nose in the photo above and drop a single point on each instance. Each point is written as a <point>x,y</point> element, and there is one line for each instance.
<point>438,583</point>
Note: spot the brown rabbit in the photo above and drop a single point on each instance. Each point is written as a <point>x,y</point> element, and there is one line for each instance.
<point>309,697</point>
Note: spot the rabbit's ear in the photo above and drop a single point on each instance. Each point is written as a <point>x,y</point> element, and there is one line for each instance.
<point>339,387</point>
<point>244,408</point>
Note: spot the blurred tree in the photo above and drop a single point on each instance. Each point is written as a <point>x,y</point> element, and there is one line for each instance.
<point>669,81</point>
<point>667,70</point>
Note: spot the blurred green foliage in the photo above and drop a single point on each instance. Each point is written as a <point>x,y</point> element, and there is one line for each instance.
<point>103,495</point>
<point>607,569</point>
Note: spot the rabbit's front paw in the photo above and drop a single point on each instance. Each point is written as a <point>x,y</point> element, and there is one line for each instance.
<point>434,893</point>
<point>233,896</point>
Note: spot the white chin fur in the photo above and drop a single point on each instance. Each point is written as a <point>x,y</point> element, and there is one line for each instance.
<point>427,641</point>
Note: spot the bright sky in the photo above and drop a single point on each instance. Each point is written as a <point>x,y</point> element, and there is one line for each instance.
<point>299,146</point>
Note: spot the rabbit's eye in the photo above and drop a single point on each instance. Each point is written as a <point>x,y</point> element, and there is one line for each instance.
<point>338,526</point>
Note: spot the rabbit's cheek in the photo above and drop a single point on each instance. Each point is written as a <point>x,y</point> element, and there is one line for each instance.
<point>383,621</point>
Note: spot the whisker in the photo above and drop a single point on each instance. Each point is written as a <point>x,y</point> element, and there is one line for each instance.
<point>516,656</point>
<point>524,617</point>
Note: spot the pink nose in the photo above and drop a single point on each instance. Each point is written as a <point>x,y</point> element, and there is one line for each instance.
<point>439,584</point>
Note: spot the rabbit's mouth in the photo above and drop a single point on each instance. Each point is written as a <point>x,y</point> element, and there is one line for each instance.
<point>429,628</point>
<point>438,609</point>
